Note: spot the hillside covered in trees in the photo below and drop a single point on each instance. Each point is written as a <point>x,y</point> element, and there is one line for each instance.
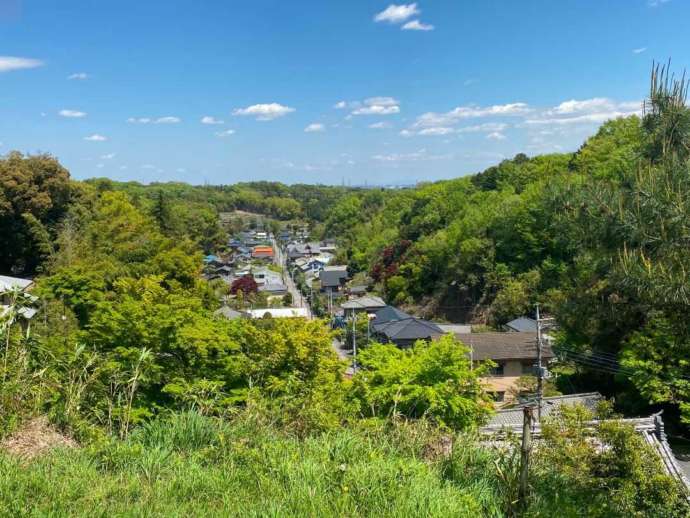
<point>127,358</point>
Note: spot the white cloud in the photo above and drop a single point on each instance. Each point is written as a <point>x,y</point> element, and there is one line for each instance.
<point>640,50</point>
<point>159,120</point>
<point>96,138</point>
<point>109,156</point>
<point>436,131</point>
<point>123,168</point>
<point>656,3</point>
<point>380,125</point>
<point>264,112</point>
<point>226,133</point>
<point>377,106</point>
<point>433,119</point>
<point>585,106</point>
<point>80,76</point>
<point>487,127</point>
<point>315,127</point>
<point>416,25</point>
<point>381,101</point>
<point>496,135</point>
<point>167,120</point>
<point>470,81</point>
<point>397,13</point>
<point>376,110</point>
<point>9,63</point>
<point>340,105</point>
<point>207,119</point>
<point>72,114</point>
<point>587,111</point>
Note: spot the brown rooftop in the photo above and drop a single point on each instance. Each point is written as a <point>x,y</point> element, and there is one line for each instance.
<point>504,346</point>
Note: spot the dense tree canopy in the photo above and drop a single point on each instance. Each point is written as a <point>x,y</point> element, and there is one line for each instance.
<point>35,193</point>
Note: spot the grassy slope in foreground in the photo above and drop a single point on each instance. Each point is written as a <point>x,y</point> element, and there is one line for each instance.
<point>202,467</point>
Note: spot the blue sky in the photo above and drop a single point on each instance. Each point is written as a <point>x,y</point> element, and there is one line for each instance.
<point>321,91</point>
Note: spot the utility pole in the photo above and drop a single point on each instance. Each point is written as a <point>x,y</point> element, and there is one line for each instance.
<point>525,451</point>
<point>540,369</point>
<point>354,341</point>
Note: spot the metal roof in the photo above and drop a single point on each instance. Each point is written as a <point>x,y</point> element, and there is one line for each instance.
<point>455,328</point>
<point>513,416</point>
<point>523,324</point>
<point>8,283</point>
<point>366,302</point>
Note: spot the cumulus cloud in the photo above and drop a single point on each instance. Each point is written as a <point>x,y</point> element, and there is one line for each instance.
<point>315,127</point>
<point>207,119</point>
<point>96,138</point>
<point>72,114</point>
<point>640,50</point>
<point>380,125</point>
<point>340,105</point>
<point>376,110</point>
<point>79,76</point>
<point>453,117</point>
<point>264,112</point>
<point>496,135</point>
<point>416,25</point>
<point>376,106</point>
<point>159,120</point>
<point>587,111</point>
<point>397,13</point>
<point>226,133</point>
<point>108,156</point>
<point>9,63</point>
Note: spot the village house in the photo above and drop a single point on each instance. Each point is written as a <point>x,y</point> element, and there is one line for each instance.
<point>366,304</point>
<point>405,332</point>
<point>333,278</point>
<point>262,252</point>
<point>515,355</point>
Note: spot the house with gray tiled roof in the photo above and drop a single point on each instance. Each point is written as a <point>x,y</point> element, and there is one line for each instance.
<point>515,356</point>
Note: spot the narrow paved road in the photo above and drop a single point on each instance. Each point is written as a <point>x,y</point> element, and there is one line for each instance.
<point>280,259</point>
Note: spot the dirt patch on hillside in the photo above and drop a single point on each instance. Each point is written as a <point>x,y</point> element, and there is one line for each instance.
<point>34,438</point>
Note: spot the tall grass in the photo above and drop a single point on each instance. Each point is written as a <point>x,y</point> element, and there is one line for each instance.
<point>189,465</point>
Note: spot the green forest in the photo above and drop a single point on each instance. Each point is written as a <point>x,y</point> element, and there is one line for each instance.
<point>176,412</point>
